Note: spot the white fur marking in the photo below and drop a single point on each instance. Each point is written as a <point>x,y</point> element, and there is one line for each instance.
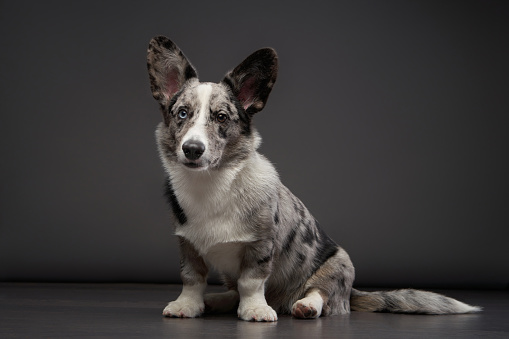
<point>461,307</point>
<point>189,304</point>
<point>253,305</point>
<point>213,202</point>
<point>312,300</point>
<point>198,132</point>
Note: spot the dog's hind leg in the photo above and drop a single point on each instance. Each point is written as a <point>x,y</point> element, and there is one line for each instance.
<point>328,289</point>
<point>222,302</point>
<point>310,306</point>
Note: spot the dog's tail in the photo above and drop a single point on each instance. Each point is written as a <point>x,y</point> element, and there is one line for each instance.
<point>408,301</point>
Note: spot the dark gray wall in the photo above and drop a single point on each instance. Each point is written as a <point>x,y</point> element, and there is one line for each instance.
<point>388,120</point>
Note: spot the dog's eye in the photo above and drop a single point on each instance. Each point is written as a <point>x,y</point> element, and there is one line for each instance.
<point>221,117</point>
<point>182,114</point>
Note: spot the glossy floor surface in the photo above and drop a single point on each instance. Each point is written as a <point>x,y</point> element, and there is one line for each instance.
<point>30,310</point>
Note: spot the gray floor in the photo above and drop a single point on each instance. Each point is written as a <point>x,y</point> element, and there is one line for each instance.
<point>134,310</point>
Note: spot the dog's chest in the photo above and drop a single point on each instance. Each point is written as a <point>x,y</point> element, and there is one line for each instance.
<point>205,233</point>
<point>213,218</point>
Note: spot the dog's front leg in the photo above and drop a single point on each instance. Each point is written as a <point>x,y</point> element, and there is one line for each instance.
<point>255,270</point>
<point>193,272</point>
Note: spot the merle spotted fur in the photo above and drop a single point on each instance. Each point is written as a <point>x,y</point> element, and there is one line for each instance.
<point>232,213</point>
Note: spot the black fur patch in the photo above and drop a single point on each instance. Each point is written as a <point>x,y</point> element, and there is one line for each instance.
<point>276,215</point>
<point>172,200</point>
<point>167,111</point>
<point>289,240</point>
<point>166,43</point>
<point>309,235</point>
<point>264,260</point>
<point>222,132</point>
<point>245,119</point>
<point>190,72</point>
<point>301,257</point>
<point>228,82</point>
<point>326,248</point>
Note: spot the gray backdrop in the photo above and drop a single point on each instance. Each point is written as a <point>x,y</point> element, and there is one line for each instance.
<point>388,120</point>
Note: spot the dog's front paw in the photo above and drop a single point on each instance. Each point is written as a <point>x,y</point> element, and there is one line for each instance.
<point>257,312</point>
<point>180,309</point>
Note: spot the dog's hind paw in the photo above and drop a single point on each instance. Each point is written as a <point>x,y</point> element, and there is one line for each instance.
<point>309,307</point>
<point>304,311</point>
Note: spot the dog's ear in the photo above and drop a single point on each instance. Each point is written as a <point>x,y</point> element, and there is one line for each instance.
<point>252,80</point>
<point>168,69</point>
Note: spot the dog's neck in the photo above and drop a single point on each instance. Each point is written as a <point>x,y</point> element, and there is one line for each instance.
<point>212,180</point>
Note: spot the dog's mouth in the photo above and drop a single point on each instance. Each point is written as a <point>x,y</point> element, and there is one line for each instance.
<point>192,165</point>
<point>195,165</point>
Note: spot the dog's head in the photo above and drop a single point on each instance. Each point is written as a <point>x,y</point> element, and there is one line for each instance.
<point>207,125</point>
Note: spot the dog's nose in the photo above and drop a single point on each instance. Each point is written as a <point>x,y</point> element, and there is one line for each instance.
<point>193,149</point>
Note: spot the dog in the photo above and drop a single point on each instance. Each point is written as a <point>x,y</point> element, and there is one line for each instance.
<point>232,213</point>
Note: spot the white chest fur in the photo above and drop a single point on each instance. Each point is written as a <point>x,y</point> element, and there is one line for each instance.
<point>204,233</point>
<point>212,207</point>
<point>215,202</point>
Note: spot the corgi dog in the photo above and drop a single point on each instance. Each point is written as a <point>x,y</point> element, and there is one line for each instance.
<point>231,212</point>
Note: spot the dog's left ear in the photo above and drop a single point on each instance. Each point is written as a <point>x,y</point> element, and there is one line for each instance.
<point>252,80</point>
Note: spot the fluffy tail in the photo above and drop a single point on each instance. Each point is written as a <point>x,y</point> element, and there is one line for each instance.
<point>408,301</point>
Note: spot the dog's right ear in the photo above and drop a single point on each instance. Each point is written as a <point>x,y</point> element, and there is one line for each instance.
<point>168,69</point>
<point>252,80</point>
